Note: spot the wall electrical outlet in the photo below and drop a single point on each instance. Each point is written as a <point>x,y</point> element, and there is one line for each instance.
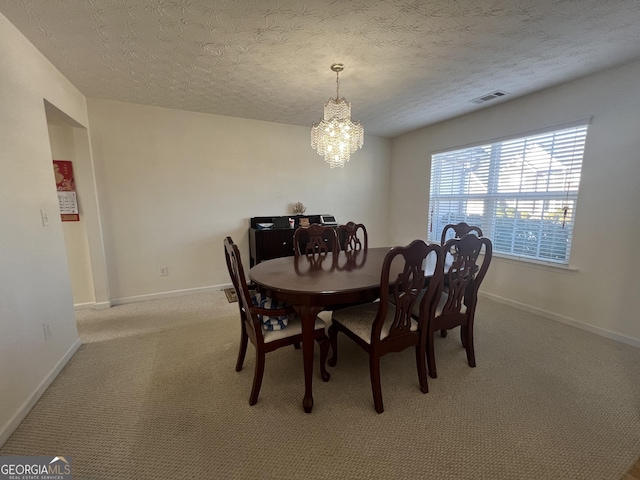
<point>47,330</point>
<point>163,271</point>
<point>45,218</point>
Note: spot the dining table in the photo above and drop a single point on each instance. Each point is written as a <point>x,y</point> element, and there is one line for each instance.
<point>315,283</point>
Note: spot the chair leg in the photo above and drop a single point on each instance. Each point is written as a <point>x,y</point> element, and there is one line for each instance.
<point>257,377</point>
<point>431,356</point>
<point>443,332</point>
<point>244,339</point>
<point>471,356</point>
<point>333,338</point>
<point>296,345</point>
<point>463,336</point>
<point>324,353</point>
<point>421,363</point>
<point>376,387</point>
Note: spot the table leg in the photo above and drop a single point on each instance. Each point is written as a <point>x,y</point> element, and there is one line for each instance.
<point>308,316</point>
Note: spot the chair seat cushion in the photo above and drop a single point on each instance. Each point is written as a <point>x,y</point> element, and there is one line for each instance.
<point>270,323</point>
<point>443,299</point>
<point>359,320</point>
<point>294,328</point>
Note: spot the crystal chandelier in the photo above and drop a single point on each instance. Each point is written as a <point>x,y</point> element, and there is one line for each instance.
<point>336,136</point>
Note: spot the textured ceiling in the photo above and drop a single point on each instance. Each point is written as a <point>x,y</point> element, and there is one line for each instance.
<point>408,63</point>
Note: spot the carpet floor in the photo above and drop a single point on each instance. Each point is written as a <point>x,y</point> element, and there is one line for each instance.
<point>152,393</point>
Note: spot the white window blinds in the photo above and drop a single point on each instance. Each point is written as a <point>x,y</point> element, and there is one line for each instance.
<point>522,192</point>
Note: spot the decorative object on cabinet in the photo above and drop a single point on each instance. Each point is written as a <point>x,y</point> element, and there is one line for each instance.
<point>299,208</point>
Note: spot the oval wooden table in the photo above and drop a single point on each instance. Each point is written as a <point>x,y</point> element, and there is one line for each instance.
<point>316,284</point>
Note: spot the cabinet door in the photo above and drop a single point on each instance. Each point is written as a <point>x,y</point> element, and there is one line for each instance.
<point>272,244</point>
<point>278,243</point>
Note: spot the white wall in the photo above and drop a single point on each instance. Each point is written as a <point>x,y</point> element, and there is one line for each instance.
<point>172,184</point>
<point>34,277</point>
<point>63,147</point>
<point>602,294</point>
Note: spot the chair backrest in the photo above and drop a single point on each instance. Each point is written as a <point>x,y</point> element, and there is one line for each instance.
<point>317,240</point>
<point>236,272</point>
<point>348,236</point>
<point>228,250</point>
<point>406,289</point>
<point>459,230</point>
<point>466,272</point>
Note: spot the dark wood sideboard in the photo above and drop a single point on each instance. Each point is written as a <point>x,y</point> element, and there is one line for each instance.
<point>268,243</point>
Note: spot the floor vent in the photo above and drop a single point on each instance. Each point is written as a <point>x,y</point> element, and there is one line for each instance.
<point>489,96</point>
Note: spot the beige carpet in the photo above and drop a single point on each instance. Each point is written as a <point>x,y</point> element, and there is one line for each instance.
<point>153,393</point>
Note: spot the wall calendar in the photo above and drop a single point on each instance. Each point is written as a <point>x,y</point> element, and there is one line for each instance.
<point>66,186</point>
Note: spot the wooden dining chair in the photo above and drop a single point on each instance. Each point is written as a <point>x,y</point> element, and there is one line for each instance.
<point>387,326</point>
<point>459,230</point>
<point>228,246</point>
<point>316,240</point>
<point>457,306</point>
<point>254,318</point>
<point>456,230</point>
<point>352,236</point>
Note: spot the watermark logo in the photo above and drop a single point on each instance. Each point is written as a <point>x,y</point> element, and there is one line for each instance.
<point>35,468</point>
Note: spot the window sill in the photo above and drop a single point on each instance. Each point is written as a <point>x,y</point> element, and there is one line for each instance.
<point>539,264</point>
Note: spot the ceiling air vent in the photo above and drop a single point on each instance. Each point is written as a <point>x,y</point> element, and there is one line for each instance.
<point>489,96</point>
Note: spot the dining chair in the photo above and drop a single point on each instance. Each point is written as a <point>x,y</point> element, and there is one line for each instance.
<point>257,299</point>
<point>318,240</point>
<point>457,305</point>
<point>387,325</point>
<point>255,317</point>
<point>459,230</point>
<point>348,238</point>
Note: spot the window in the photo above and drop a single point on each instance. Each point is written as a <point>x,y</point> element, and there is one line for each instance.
<point>522,192</point>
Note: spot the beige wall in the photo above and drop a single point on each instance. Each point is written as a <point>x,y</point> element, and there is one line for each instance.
<point>601,294</point>
<point>34,276</point>
<point>172,184</point>
<point>63,147</point>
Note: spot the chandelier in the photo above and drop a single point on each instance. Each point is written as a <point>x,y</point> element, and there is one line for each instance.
<point>336,136</point>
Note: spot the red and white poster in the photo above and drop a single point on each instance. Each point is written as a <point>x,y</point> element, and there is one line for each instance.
<point>66,186</point>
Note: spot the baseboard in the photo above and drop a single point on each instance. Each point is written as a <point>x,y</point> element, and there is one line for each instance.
<point>173,293</point>
<point>150,296</point>
<point>102,305</point>
<point>92,306</point>
<point>603,332</point>
<point>85,306</point>
<point>9,427</point>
